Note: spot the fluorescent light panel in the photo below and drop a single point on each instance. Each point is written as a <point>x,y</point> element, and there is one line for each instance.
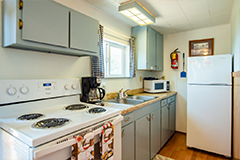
<point>135,12</point>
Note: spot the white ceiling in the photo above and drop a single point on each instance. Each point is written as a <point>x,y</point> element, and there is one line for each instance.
<point>175,15</point>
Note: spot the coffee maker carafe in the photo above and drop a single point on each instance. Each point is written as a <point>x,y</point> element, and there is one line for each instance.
<point>91,92</point>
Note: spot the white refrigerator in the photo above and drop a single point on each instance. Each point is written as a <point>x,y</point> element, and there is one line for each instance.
<point>209,103</point>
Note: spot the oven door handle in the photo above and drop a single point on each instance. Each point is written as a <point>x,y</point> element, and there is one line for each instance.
<point>45,151</point>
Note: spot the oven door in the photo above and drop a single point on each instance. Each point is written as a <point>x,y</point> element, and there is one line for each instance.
<point>60,151</point>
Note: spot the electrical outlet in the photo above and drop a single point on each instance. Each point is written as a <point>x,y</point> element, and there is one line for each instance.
<point>163,78</point>
<point>140,78</point>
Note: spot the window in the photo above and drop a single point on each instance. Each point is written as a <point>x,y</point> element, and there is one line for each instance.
<point>116,58</point>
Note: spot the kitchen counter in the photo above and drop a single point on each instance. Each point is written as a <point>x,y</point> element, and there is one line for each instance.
<point>131,108</point>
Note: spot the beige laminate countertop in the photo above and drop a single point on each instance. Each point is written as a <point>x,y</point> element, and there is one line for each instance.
<point>159,95</point>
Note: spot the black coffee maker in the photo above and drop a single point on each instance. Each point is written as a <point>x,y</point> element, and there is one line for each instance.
<point>91,92</point>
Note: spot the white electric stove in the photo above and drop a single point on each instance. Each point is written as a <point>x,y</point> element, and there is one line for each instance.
<point>39,119</point>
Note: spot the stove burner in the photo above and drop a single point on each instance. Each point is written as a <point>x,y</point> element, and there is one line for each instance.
<point>76,107</point>
<point>96,110</point>
<point>31,116</point>
<point>51,123</point>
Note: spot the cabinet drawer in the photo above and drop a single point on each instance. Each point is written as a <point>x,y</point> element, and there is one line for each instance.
<point>146,110</point>
<point>163,102</point>
<point>127,119</point>
<point>170,99</point>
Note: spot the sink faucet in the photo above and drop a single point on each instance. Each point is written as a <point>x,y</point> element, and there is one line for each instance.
<point>122,94</point>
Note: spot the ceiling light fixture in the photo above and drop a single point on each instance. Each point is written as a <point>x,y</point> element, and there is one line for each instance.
<point>136,12</point>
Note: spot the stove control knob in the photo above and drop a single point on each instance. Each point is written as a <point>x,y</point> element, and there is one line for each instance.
<point>12,90</point>
<point>24,90</point>
<point>67,87</point>
<point>74,86</point>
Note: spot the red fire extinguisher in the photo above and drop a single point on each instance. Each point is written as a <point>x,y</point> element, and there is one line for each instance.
<point>174,59</point>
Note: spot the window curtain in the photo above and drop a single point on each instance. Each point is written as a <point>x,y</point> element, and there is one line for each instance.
<point>132,57</point>
<point>97,63</point>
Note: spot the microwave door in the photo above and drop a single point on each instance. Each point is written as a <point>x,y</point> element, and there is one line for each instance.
<point>159,86</point>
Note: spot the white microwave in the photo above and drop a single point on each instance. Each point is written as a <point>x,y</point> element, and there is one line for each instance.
<point>156,86</point>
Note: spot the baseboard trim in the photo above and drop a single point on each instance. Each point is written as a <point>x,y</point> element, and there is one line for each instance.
<point>181,132</point>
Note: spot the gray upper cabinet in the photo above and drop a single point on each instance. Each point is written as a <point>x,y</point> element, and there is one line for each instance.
<point>149,48</point>
<point>49,27</point>
<point>84,32</point>
<point>140,33</point>
<point>159,51</point>
<point>45,22</point>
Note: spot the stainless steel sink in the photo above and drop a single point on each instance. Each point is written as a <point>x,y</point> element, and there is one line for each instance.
<point>126,101</point>
<point>144,98</point>
<point>131,100</point>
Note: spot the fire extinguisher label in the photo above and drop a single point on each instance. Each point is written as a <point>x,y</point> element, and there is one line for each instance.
<point>174,56</point>
<point>175,64</point>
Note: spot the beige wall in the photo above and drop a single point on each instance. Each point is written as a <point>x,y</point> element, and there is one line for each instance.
<point>235,28</point>
<point>21,64</point>
<point>222,45</point>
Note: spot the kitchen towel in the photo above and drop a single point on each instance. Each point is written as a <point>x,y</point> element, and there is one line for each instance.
<point>84,149</point>
<point>106,142</point>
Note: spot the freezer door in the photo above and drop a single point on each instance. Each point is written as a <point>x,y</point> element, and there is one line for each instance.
<point>210,69</point>
<point>209,118</point>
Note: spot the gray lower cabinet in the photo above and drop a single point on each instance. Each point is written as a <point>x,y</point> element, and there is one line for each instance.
<point>142,138</point>
<point>148,135</point>
<point>128,142</point>
<point>49,27</point>
<point>155,132</point>
<point>168,118</point>
<point>172,119</point>
<point>164,125</point>
<point>172,114</point>
<point>146,130</point>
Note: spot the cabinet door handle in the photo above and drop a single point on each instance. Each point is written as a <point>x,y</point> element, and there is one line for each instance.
<point>20,4</point>
<point>148,118</point>
<point>152,116</point>
<point>20,23</point>
<point>123,133</point>
<point>126,119</point>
